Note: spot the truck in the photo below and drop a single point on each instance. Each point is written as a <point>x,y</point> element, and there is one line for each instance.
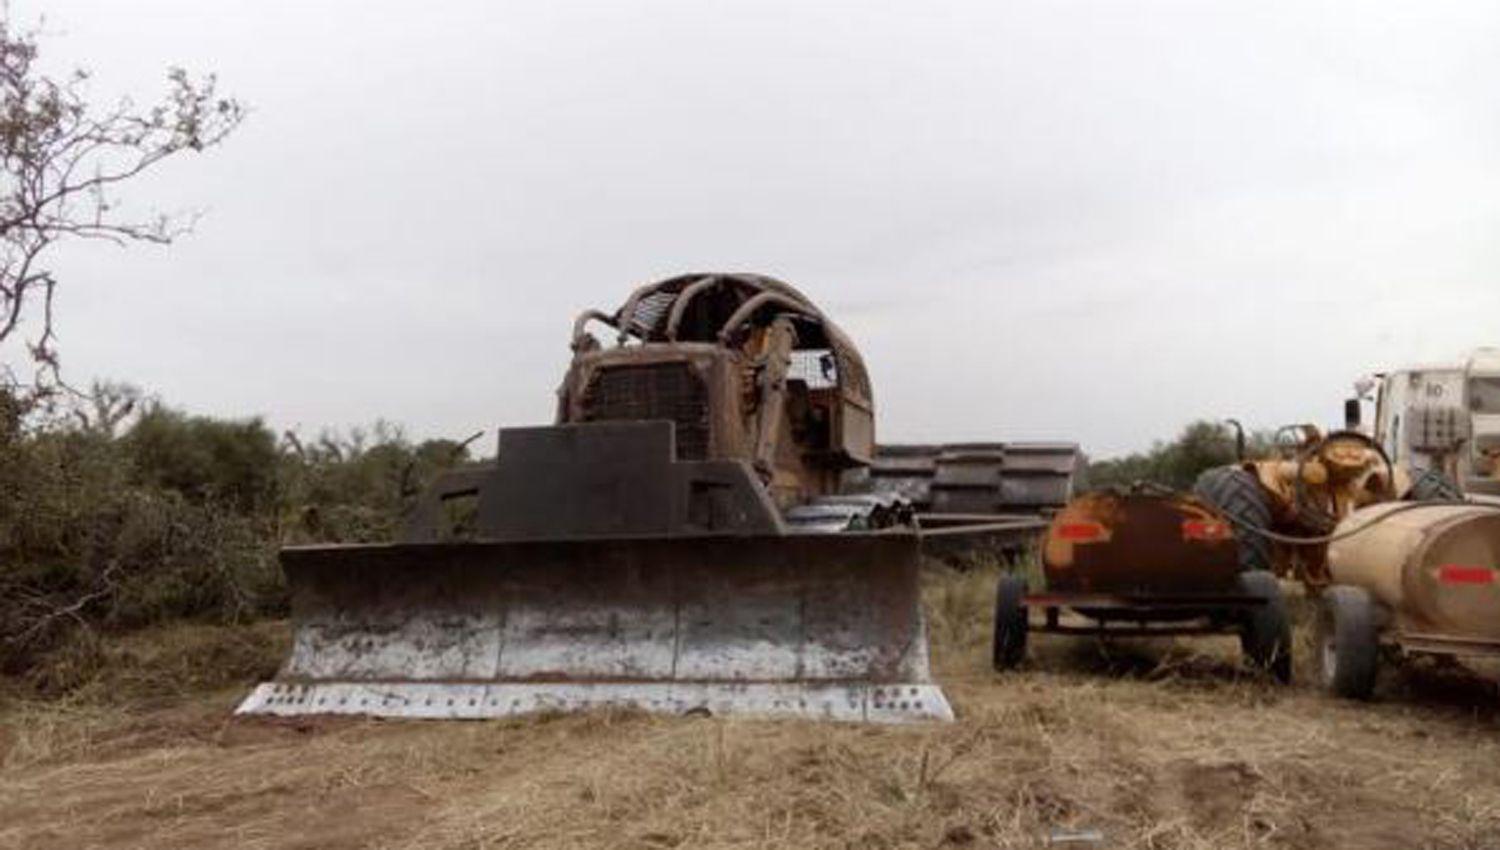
<point>1442,419</point>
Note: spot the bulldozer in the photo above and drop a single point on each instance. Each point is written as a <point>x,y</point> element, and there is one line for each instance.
<point>682,539</point>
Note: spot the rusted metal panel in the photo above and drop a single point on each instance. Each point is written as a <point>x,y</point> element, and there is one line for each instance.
<point>963,473</point>
<point>966,479</point>
<point>965,500</point>
<point>1034,491</point>
<point>1038,475</point>
<point>1137,543</point>
<point>905,460</point>
<point>904,471</point>
<point>604,479</point>
<point>671,619</point>
<point>1060,459</point>
<point>977,481</point>
<point>671,391</point>
<point>978,477</point>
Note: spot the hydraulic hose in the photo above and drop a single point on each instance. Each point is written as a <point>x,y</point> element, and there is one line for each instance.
<point>1325,539</point>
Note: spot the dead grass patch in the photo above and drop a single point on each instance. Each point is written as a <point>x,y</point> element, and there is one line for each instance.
<point>1161,745</point>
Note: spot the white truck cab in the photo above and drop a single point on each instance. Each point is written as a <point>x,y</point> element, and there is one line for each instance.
<point>1443,417</point>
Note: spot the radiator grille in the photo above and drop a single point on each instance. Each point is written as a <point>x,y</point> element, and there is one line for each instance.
<point>657,391</point>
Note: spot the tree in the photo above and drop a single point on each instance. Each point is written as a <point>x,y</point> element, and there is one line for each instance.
<point>1177,464</point>
<point>205,459</point>
<point>62,160</point>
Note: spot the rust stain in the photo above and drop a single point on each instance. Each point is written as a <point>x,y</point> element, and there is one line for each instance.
<point>1150,543</point>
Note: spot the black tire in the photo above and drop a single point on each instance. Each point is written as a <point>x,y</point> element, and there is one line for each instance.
<point>1237,495</point>
<point>1011,622</point>
<point>1348,642</point>
<point>1266,633</point>
<point>1429,485</point>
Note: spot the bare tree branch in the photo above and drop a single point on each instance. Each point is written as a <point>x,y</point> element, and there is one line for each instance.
<point>61,159</point>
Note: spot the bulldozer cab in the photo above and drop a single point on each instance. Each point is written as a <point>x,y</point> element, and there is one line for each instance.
<point>747,369</point>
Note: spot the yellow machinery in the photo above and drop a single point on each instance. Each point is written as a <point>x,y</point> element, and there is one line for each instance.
<point>1399,561</point>
<point>1283,505</point>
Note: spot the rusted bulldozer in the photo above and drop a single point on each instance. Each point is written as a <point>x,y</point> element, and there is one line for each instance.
<point>681,540</point>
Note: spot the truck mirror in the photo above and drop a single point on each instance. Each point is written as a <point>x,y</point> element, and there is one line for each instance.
<point>1351,413</point>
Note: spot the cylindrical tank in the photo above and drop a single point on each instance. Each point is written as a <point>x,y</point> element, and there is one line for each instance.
<point>1139,543</point>
<point>1437,566</point>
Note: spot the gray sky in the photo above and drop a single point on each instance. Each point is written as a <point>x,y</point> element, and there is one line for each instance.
<point>1085,220</point>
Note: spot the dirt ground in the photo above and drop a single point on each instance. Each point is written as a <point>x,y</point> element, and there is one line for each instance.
<point>1159,746</point>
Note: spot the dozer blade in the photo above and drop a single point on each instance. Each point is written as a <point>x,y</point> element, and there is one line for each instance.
<point>819,626</point>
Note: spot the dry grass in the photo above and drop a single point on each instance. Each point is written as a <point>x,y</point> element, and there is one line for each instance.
<point>146,678</point>
<point>1150,747</point>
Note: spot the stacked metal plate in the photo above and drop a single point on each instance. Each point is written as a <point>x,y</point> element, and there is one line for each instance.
<point>978,478</point>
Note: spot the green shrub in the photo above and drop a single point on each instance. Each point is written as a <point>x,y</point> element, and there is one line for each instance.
<point>205,459</point>
<point>177,518</point>
<point>1176,464</point>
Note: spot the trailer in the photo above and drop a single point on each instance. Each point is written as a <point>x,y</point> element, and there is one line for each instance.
<point>1143,563</point>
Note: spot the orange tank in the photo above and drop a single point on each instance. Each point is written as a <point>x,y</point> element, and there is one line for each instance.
<point>1144,563</point>
<point>1134,543</point>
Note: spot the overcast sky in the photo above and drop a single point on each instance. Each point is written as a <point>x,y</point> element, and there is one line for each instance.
<point>1047,220</point>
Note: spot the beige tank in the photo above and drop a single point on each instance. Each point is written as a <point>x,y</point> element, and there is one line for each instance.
<point>1436,566</point>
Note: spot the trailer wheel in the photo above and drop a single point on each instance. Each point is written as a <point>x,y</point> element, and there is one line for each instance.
<point>1348,642</point>
<point>1011,622</point>
<point>1237,495</point>
<point>1266,633</point>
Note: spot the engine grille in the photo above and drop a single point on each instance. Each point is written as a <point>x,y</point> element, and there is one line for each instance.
<point>657,391</point>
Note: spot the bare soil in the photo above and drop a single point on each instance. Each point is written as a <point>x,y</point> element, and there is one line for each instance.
<point>1156,746</point>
